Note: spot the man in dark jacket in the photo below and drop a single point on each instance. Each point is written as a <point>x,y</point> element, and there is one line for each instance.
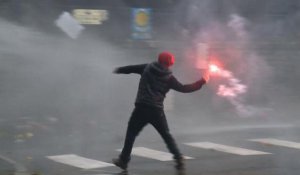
<point>156,80</point>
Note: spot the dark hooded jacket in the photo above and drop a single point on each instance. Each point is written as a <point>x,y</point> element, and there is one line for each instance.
<point>155,82</point>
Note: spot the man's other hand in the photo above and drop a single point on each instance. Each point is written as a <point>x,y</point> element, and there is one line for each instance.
<point>116,71</point>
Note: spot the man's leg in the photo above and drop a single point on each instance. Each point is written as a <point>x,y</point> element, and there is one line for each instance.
<point>135,125</point>
<point>160,124</point>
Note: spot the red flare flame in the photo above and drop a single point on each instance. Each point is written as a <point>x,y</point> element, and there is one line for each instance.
<point>214,68</point>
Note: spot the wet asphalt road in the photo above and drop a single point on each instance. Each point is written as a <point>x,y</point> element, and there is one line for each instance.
<point>25,145</point>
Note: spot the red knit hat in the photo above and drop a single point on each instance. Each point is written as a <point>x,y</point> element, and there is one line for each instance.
<point>166,58</point>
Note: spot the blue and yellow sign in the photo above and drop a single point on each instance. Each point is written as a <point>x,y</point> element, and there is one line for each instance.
<point>141,23</point>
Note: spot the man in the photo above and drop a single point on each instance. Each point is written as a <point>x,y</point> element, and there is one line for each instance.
<point>156,80</point>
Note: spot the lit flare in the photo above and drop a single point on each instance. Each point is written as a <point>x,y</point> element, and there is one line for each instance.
<point>214,68</point>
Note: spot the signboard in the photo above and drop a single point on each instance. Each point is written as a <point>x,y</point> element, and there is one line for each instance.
<point>90,16</point>
<point>141,23</point>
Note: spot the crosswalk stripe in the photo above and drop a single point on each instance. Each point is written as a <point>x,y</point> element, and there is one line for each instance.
<point>153,154</point>
<point>78,161</point>
<point>225,148</point>
<point>277,142</point>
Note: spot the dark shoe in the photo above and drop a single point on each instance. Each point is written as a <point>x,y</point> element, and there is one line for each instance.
<point>179,163</point>
<point>120,163</point>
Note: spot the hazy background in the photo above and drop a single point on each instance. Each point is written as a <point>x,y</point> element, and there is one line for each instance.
<point>68,83</point>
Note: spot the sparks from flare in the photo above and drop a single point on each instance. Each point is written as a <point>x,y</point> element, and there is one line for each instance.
<point>233,88</point>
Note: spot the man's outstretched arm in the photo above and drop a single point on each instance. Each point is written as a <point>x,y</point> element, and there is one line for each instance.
<point>177,86</point>
<point>138,69</point>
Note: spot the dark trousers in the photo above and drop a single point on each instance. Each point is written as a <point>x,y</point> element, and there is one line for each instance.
<point>140,117</point>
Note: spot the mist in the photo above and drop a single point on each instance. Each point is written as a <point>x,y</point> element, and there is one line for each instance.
<point>51,75</point>
<point>58,81</point>
<point>59,89</point>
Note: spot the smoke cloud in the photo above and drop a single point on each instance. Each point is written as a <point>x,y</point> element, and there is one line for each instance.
<point>248,73</point>
<point>234,89</point>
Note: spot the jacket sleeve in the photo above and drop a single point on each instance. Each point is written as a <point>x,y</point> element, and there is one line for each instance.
<point>138,69</point>
<point>186,88</point>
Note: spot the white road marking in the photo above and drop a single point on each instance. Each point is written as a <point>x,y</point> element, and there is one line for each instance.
<point>78,161</point>
<point>225,148</point>
<point>277,142</point>
<point>153,154</point>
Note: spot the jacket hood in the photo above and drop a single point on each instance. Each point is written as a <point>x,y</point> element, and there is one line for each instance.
<point>159,70</point>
